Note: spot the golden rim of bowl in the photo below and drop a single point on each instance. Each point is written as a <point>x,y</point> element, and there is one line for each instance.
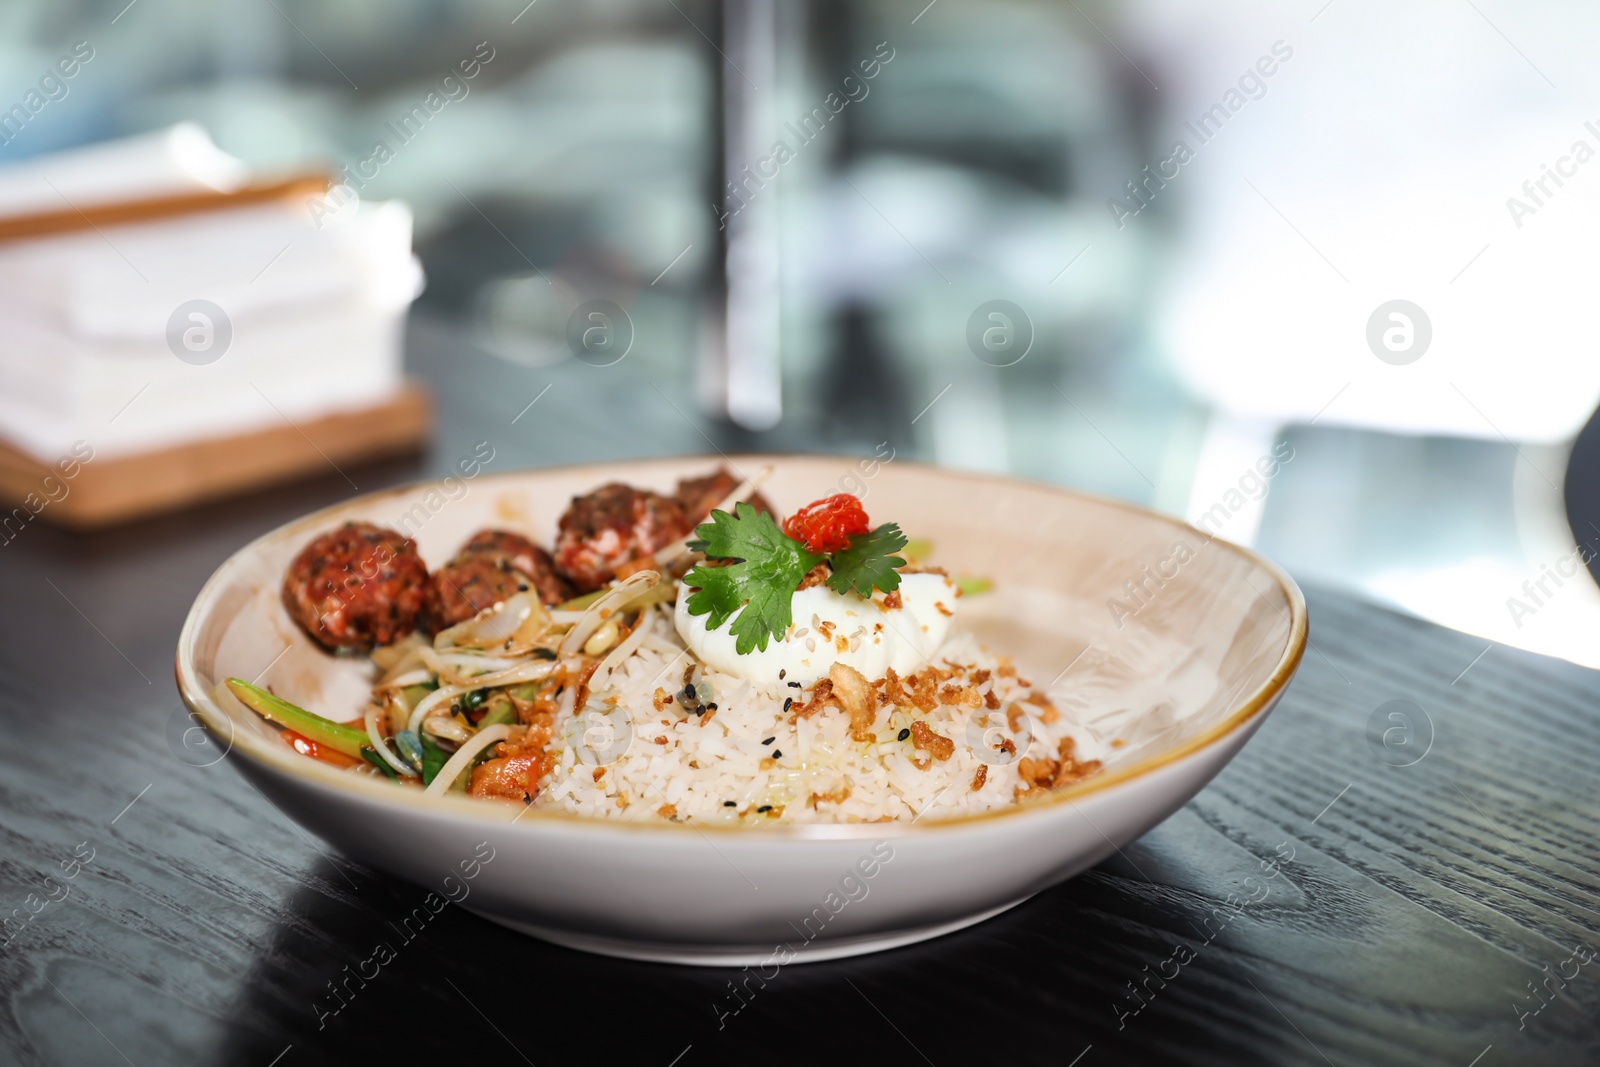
<point>281,758</point>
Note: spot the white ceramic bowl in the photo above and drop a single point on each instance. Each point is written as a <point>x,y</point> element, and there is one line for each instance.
<point>1176,645</point>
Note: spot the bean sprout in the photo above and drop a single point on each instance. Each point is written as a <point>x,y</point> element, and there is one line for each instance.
<point>464,755</point>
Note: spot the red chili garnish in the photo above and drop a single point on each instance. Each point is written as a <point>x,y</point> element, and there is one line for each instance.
<point>303,745</point>
<point>828,524</point>
<point>307,747</point>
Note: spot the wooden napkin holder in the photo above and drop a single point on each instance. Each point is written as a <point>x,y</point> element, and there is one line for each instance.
<point>113,489</point>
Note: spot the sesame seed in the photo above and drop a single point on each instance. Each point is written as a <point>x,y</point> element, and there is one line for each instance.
<point>787,701</point>
<point>730,803</point>
<point>783,673</point>
<point>763,809</point>
<point>794,685</point>
<point>905,733</point>
<point>777,753</point>
<point>769,740</point>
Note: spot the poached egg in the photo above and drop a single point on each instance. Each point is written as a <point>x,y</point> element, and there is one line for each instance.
<point>830,628</point>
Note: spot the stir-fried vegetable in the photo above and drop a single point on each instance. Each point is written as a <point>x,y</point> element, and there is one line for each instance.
<point>972,585</point>
<point>464,756</point>
<point>337,736</point>
<point>500,713</point>
<point>377,761</point>
<point>433,757</point>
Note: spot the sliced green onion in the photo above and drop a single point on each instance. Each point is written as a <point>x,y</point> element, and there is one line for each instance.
<point>413,694</point>
<point>971,585</point>
<point>579,603</point>
<point>433,757</point>
<point>410,747</point>
<point>500,713</point>
<point>372,757</point>
<point>313,727</point>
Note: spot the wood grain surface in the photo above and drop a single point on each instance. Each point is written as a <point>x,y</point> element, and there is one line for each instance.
<point>71,219</point>
<point>1319,903</point>
<point>114,489</point>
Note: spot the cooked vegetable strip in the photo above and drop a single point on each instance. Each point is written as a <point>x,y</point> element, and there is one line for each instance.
<point>377,761</point>
<point>628,646</point>
<point>439,697</point>
<point>579,603</point>
<point>504,713</point>
<point>510,627</point>
<point>534,671</point>
<point>337,736</point>
<point>381,747</point>
<point>463,757</point>
<point>461,668</point>
<point>615,599</point>
<point>433,758</point>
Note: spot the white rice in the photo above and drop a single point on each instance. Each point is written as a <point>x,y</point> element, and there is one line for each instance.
<point>677,765</point>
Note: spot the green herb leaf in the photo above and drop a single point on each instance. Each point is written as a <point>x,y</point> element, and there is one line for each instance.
<point>768,568</point>
<point>869,562</point>
<point>370,754</point>
<point>433,758</point>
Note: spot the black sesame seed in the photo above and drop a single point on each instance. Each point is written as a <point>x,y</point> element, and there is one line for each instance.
<point>730,803</point>
<point>521,588</point>
<point>699,711</point>
<point>782,674</point>
<point>787,701</point>
<point>777,753</point>
<point>905,734</point>
<point>771,739</point>
<point>764,808</point>
<point>795,685</point>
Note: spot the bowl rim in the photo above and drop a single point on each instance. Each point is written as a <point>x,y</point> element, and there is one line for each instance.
<point>280,758</point>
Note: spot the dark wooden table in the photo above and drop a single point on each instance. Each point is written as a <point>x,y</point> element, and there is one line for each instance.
<point>1433,901</point>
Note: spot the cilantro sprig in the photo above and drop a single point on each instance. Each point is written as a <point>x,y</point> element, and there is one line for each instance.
<point>768,565</point>
<point>869,562</point>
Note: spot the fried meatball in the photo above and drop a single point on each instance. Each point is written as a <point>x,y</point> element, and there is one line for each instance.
<point>697,496</point>
<point>358,586</point>
<point>468,584</point>
<point>525,557</point>
<point>612,526</point>
<point>492,566</point>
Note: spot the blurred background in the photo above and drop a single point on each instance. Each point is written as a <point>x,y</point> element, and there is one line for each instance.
<point>1317,274</point>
